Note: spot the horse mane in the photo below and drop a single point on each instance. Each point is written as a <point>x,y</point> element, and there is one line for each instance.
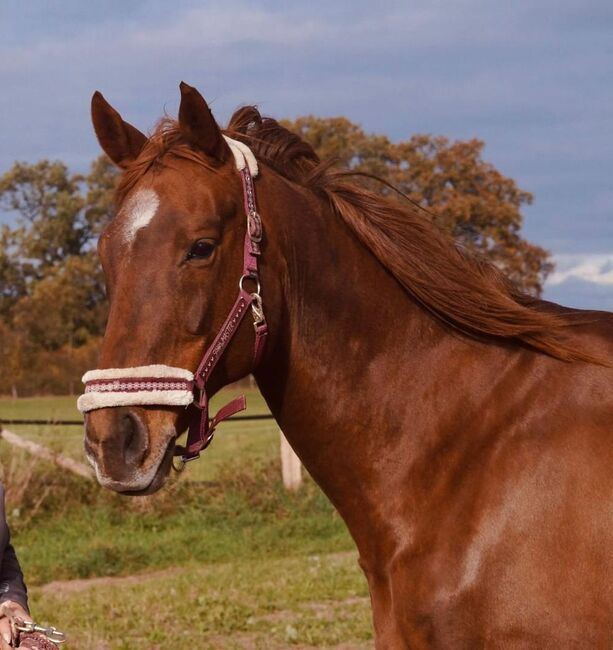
<point>463,291</point>
<point>460,289</point>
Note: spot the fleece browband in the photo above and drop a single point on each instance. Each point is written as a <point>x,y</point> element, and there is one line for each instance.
<point>158,384</point>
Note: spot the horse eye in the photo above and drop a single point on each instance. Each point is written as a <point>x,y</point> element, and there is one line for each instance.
<point>200,250</point>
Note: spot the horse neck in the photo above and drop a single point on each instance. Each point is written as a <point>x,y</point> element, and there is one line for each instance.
<point>348,348</point>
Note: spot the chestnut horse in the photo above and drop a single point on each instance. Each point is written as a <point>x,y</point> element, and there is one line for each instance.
<point>463,431</point>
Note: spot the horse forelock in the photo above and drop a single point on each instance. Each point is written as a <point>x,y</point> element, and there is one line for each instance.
<point>165,140</point>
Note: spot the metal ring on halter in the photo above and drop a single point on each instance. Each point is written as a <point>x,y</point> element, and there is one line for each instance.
<point>250,276</point>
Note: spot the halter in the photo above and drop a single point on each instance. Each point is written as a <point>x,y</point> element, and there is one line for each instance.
<point>161,385</point>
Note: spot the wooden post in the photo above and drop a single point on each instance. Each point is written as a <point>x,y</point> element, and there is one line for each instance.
<point>291,467</point>
<point>39,451</point>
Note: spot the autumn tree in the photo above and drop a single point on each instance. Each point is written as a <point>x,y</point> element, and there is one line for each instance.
<point>52,305</point>
<point>465,195</point>
<point>51,286</point>
<point>12,368</point>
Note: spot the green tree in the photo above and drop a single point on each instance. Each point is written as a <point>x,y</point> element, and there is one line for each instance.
<point>465,195</point>
<point>51,222</point>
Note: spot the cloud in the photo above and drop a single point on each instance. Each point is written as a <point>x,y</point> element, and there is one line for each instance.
<point>227,25</point>
<point>582,281</point>
<point>531,79</point>
<point>595,268</point>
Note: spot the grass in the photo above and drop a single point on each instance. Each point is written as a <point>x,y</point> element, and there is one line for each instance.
<point>318,601</point>
<point>248,515</point>
<point>252,441</point>
<point>245,564</point>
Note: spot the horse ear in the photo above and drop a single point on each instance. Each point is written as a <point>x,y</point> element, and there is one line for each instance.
<point>120,141</point>
<point>198,125</point>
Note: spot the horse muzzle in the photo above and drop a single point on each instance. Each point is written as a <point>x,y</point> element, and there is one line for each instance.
<point>130,448</point>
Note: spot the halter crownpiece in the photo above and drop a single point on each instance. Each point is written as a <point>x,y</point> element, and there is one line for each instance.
<point>161,385</point>
<point>243,156</point>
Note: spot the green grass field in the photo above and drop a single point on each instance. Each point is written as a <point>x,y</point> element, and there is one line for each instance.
<point>250,441</point>
<point>223,557</point>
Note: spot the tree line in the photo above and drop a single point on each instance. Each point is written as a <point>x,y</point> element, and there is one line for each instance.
<point>52,298</point>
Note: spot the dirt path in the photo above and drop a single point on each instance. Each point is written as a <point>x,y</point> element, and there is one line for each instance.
<point>82,584</point>
<point>249,642</point>
<point>322,612</point>
<point>74,586</point>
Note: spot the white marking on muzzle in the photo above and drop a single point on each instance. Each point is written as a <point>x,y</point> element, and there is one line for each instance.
<point>139,211</point>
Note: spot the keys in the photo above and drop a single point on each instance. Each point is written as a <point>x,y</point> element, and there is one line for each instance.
<point>50,633</point>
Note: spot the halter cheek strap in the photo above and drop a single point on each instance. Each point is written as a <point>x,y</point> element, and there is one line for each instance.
<point>158,384</point>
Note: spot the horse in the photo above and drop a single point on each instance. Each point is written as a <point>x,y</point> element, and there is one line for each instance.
<point>462,430</point>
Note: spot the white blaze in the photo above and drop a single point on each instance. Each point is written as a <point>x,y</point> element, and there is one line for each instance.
<point>139,211</point>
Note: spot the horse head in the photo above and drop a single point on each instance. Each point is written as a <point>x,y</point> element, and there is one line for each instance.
<point>172,257</point>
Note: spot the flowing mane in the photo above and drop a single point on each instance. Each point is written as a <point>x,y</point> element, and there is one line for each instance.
<point>465,292</point>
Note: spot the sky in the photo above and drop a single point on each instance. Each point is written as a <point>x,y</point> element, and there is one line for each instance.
<point>531,79</point>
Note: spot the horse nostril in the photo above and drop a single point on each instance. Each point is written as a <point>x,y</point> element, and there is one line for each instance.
<point>127,427</point>
<point>134,437</point>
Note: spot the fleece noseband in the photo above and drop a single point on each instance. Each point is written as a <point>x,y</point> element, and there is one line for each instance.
<point>161,385</point>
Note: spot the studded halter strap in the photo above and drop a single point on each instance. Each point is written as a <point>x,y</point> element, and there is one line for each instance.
<point>164,385</point>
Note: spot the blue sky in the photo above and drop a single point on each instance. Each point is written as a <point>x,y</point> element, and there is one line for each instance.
<point>532,79</point>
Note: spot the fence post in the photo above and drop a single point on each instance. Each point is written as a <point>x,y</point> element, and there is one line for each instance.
<point>291,467</point>
<point>39,451</point>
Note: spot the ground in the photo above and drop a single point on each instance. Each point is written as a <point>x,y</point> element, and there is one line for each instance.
<point>222,558</point>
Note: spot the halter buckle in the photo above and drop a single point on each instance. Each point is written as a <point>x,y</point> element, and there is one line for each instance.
<point>257,309</point>
<point>254,226</point>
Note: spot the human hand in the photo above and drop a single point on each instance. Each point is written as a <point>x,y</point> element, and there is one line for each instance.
<point>9,611</point>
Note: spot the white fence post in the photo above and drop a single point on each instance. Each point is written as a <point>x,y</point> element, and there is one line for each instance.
<point>291,467</point>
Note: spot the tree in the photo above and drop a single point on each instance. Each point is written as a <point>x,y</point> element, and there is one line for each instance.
<point>52,306</point>
<point>11,360</point>
<point>99,201</point>
<point>49,204</point>
<point>51,286</point>
<point>465,195</point>
<point>66,306</point>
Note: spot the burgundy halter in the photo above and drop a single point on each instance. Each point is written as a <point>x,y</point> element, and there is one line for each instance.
<point>202,429</point>
<point>165,385</point>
